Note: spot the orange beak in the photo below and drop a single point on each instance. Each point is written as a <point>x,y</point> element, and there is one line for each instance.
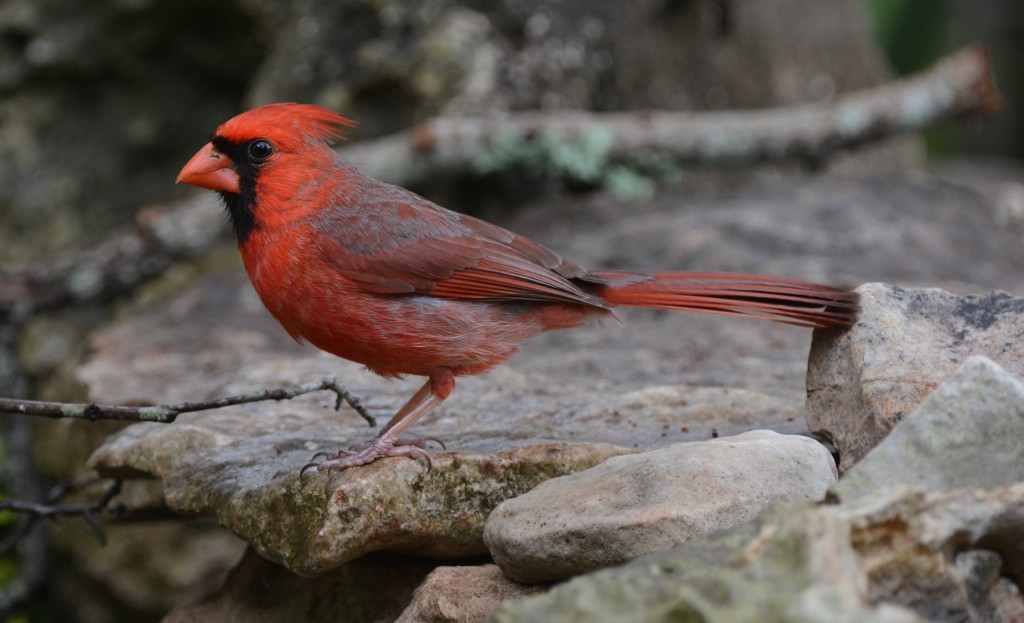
<point>210,169</point>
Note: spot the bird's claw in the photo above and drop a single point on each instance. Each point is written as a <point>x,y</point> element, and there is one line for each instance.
<point>307,466</point>
<point>366,453</point>
<point>421,442</point>
<point>322,454</point>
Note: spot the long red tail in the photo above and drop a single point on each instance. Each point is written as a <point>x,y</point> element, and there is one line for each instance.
<point>782,300</point>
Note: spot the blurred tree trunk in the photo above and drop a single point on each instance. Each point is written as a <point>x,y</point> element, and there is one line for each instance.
<point>383,63</point>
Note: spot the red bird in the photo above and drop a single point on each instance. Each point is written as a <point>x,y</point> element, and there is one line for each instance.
<point>379,275</point>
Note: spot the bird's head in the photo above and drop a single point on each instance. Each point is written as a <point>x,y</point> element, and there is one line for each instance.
<point>271,147</point>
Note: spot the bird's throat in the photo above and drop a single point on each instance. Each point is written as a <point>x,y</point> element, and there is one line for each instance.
<point>241,212</point>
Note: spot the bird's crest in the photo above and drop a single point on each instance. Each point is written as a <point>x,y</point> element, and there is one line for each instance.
<point>288,125</point>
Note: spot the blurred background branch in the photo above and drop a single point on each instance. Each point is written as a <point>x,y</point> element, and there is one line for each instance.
<point>961,86</point>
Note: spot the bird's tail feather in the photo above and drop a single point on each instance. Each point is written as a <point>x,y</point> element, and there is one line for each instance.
<point>783,300</point>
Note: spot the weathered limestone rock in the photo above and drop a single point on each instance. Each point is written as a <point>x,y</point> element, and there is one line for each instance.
<point>633,505</point>
<point>466,594</point>
<point>968,433</point>
<point>312,524</point>
<point>945,548</point>
<point>862,382</point>
<point>892,558</point>
<point>656,380</point>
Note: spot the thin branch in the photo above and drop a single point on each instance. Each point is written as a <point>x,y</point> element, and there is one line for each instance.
<point>29,543</point>
<point>166,414</point>
<point>19,589</point>
<point>959,86</point>
<point>54,512</point>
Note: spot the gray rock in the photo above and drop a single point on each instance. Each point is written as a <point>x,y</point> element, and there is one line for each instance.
<point>899,557</point>
<point>633,505</point>
<point>862,382</point>
<point>989,597</point>
<point>1003,602</point>
<point>967,434</point>
<point>466,594</point>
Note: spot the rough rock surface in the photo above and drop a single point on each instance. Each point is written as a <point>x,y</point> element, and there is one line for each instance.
<point>313,524</point>
<point>862,382</point>
<point>967,434</point>
<point>465,594</point>
<point>904,556</point>
<point>944,548</point>
<point>633,505</point>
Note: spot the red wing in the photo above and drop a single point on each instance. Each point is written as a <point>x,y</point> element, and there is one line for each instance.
<point>399,243</point>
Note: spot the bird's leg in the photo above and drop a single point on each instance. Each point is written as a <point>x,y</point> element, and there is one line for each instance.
<point>387,443</point>
<point>416,407</point>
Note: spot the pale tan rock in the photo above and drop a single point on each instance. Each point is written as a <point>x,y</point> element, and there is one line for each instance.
<point>634,505</point>
<point>864,381</point>
<point>466,594</point>
<point>966,435</point>
<point>1006,601</point>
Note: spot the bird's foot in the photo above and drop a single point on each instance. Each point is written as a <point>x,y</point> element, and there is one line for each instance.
<point>366,453</point>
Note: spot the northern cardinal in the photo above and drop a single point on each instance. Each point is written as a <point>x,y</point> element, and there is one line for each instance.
<point>379,275</point>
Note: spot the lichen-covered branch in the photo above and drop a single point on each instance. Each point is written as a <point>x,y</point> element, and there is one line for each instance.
<point>161,236</point>
<point>961,85</point>
<point>166,414</point>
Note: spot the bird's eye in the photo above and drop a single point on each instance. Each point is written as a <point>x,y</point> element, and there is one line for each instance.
<point>260,149</point>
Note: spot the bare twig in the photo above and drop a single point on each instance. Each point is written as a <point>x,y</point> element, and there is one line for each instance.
<point>54,512</point>
<point>168,413</point>
<point>961,85</point>
<point>20,588</point>
<point>24,538</point>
